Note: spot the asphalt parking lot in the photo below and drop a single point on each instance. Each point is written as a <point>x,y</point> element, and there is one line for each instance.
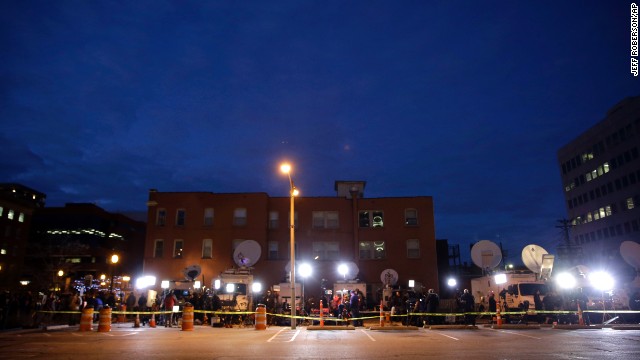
<point>206,342</point>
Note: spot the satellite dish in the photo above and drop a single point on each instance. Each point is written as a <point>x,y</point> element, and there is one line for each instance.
<point>247,253</point>
<point>192,272</point>
<point>630,252</point>
<point>532,257</point>
<point>389,277</point>
<point>486,255</point>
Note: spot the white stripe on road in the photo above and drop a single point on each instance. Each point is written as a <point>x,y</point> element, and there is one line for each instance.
<point>450,337</point>
<point>295,335</point>
<point>274,336</point>
<point>515,333</point>
<point>364,332</point>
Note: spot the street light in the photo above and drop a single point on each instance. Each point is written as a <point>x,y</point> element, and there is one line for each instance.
<point>114,261</point>
<point>286,168</point>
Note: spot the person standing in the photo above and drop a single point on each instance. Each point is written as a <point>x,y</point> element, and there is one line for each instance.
<point>354,305</point>
<point>468,305</point>
<point>432,303</point>
<point>170,301</point>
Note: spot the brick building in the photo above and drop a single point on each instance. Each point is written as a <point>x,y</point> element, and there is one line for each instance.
<point>369,234</point>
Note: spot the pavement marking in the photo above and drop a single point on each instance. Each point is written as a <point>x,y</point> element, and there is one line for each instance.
<point>295,335</point>
<point>515,333</point>
<point>369,336</point>
<point>450,337</point>
<point>278,333</point>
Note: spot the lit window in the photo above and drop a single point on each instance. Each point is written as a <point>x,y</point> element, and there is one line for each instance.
<point>630,204</point>
<point>207,249</point>
<point>158,249</point>
<point>369,218</point>
<point>1,210</point>
<point>3,251</point>
<point>10,214</point>
<point>21,217</point>
<point>161,217</point>
<point>180,215</point>
<point>178,248</point>
<point>240,217</point>
<point>413,248</point>
<point>372,250</point>
<point>208,216</point>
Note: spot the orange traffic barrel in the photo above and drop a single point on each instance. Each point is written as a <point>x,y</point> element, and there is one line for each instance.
<point>261,317</point>
<point>86,319</point>
<point>187,317</point>
<point>122,316</point>
<point>104,324</point>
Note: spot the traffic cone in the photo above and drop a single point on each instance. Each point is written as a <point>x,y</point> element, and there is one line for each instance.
<point>136,324</point>
<point>498,317</point>
<point>381,314</point>
<point>152,322</point>
<point>205,319</point>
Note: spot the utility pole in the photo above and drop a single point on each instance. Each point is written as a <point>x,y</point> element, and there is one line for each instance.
<point>565,225</point>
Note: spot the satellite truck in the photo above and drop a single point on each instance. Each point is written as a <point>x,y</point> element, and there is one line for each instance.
<point>513,290</point>
<point>234,286</point>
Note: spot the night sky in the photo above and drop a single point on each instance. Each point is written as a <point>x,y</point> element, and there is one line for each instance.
<point>465,101</point>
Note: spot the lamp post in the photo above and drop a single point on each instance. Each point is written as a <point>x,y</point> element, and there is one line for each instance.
<point>114,261</point>
<point>286,168</point>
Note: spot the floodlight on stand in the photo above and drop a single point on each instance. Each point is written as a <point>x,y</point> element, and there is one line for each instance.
<point>164,284</point>
<point>196,284</point>
<point>412,283</point>
<point>216,284</point>
<point>256,287</point>
<point>500,278</point>
<point>230,288</point>
<point>565,280</point>
<point>601,281</point>
<point>452,282</point>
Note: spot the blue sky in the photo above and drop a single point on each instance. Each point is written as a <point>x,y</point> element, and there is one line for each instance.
<point>466,101</point>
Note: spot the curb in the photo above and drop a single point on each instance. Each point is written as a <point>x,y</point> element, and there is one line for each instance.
<point>330,327</point>
<point>451,327</point>
<point>516,326</point>
<point>393,328</point>
<point>577,327</point>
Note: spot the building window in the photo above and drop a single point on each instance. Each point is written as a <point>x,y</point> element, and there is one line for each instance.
<point>240,217</point>
<point>178,248</point>
<point>370,218</point>
<point>630,204</point>
<point>325,220</point>
<point>326,250</point>
<point>410,217</point>
<point>10,214</point>
<point>161,217</point>
<point>413,248</point>
<point>158,249</point>
<point>1,210</point>
<point>273,250</point>
<point>21,217</point>
<point>273,219</point>
<point>180,215</point>
<point>207,246</point>
<point>372,250</point>
<point>208,216</point>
